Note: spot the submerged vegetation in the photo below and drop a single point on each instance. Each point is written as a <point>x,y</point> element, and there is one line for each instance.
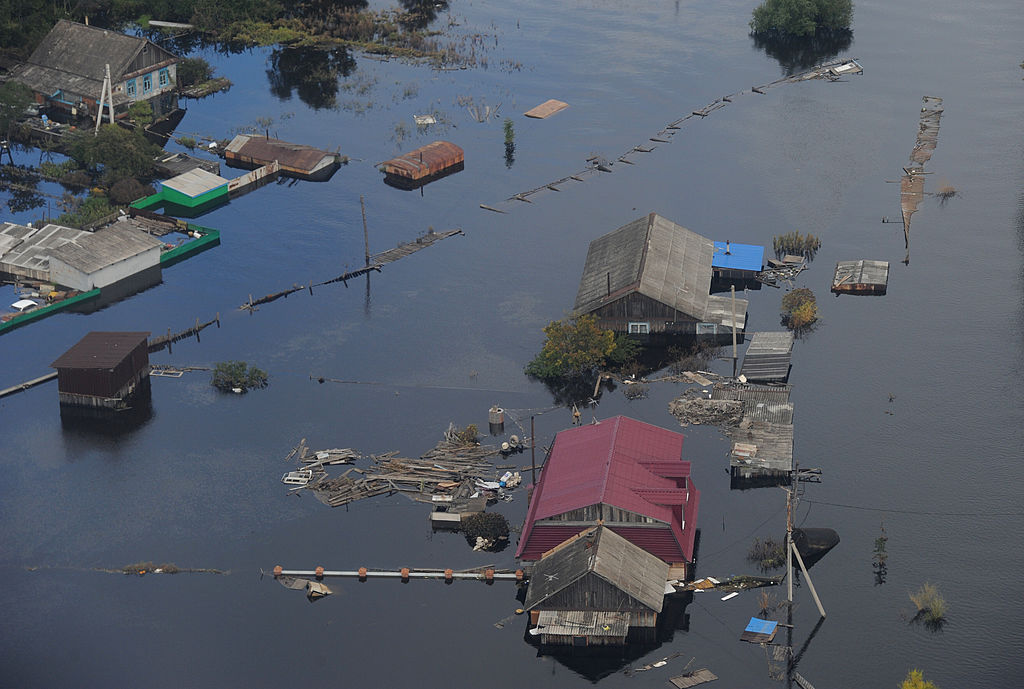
<point>931,606</point>
<point>578,348</point>
<point>799,309</point>
<point>796,244</point>
<point>768,554</point>
<point>238,376</point>
<point>797,18</point>
<point>880,558</point>
<point>489,526</point>
<point>915,680</point>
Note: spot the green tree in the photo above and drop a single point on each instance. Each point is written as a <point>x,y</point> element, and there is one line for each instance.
<point>801,17</point>
<point>229,376</point>
<point>116,151</point>
<point>193,70</point>
<point>14,99</point>
<point>576,348</point>
<point>141,113</point>
<point>915,680</point>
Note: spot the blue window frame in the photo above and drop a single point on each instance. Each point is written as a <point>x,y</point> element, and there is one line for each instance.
<point>164,78</point>
<point>129,88</point>
<point>147,83</point>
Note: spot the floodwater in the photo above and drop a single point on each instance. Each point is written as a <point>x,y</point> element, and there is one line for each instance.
<point>442,335</point>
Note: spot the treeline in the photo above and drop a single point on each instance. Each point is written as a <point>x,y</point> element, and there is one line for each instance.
<point>24,23</point>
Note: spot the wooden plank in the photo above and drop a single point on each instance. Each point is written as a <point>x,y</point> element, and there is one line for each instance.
<point>692,679</point>
<point>546,109</point>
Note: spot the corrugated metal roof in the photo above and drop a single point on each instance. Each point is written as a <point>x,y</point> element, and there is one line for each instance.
<point>602,464</point>
<point>100,349</point>
<point>195,182</point>
<point>427,160</point>
<point>740,256</point>
<point>622,564</point>
<point>30,248</point>
<point>265,150</point>
<point>97,250</point>
<point>768,356</point>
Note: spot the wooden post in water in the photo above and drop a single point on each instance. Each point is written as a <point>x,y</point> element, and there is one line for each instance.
<point>366,236</point>
<point>732,288</point>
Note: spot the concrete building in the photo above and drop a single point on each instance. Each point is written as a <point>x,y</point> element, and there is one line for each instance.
<point>107,256</point>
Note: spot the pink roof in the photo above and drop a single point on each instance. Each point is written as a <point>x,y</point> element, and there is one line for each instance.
<point>619,462</point>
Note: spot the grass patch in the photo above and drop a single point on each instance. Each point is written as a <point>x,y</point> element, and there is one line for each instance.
<point>768,554</point>
<point>931,606</point>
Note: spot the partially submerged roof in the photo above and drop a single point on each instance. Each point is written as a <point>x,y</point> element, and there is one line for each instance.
<point>738,256</point>
<point>607,555</point>
<point>661,260</point>
<point>759,631</point>
<point>861,276</point>
<point>425,161</point>
<point>266,150</point>
<point>195,182</point>
<point>97,250</point>
<point>100,349</point>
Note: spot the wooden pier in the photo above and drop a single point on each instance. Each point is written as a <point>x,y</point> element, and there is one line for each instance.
<point>408,248</point>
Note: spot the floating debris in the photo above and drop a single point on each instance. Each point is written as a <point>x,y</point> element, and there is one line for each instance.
<point>546,109</point>
<point>692,679</point>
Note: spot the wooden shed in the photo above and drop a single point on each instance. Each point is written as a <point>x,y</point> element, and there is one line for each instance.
<point>596,589</point>
<point>654,276</point>
<point>104,369</point>
<point>424,165</point>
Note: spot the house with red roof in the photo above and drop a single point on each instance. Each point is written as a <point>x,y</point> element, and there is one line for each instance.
<point>624,474</point>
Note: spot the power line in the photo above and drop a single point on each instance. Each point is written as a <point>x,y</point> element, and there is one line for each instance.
<point>921,512</point>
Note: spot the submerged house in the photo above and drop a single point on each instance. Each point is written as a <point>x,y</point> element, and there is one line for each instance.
<point>653,276</point>
<point>66,71</point>
<point>596,589</point>
<point>624,474</point>
<point>103,370</point>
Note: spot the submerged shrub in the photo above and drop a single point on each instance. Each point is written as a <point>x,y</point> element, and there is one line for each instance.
<point>229,376</point>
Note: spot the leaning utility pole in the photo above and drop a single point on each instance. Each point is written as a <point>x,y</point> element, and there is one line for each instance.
<point>105,94</point>
<point>791,550</point>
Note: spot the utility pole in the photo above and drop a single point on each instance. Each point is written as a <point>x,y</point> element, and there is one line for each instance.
<point>791,549</point>
<point>732,288</point>
<point>105,94</point>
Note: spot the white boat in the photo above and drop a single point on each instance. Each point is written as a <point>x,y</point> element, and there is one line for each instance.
<point>298,478</point>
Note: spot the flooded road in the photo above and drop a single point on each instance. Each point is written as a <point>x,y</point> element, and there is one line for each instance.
<point>444,334</point>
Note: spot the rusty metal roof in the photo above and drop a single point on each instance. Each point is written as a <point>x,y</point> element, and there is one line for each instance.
<point>266,150</point>
<point>101,349</point>
<point>424,161</point>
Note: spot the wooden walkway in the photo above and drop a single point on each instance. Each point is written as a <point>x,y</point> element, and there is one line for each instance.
<point>408,248</point>
<point>833,71</point>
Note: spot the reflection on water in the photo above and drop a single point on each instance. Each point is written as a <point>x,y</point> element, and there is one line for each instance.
<point>90,423</point>
<point>310,73</point>
<point>796,54</point>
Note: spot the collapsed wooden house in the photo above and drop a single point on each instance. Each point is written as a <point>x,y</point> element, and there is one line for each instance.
<point>653,276</point>
<point>424,165</point>
<point>596,589</point>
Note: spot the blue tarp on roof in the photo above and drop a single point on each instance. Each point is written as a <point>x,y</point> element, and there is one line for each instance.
<point>740,256</point>
<point>759,626</point>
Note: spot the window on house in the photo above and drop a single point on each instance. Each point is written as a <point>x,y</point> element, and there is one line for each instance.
<point>639,328</point>
<point>147,83</point>
<point>164,78</point>
<point>129,88</point>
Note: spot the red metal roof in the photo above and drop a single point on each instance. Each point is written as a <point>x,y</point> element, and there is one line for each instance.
<point>424,161</point>
<point>623,463</point>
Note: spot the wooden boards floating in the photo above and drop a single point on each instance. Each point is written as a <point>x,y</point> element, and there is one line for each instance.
<point>692,679</point>
<point>546,109</point>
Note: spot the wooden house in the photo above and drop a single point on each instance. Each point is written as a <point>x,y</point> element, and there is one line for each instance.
<point>596,589</point>
<point>654,276</point>
<point>66,71</point>
<point>624,474</point>
<point>104,369</point>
